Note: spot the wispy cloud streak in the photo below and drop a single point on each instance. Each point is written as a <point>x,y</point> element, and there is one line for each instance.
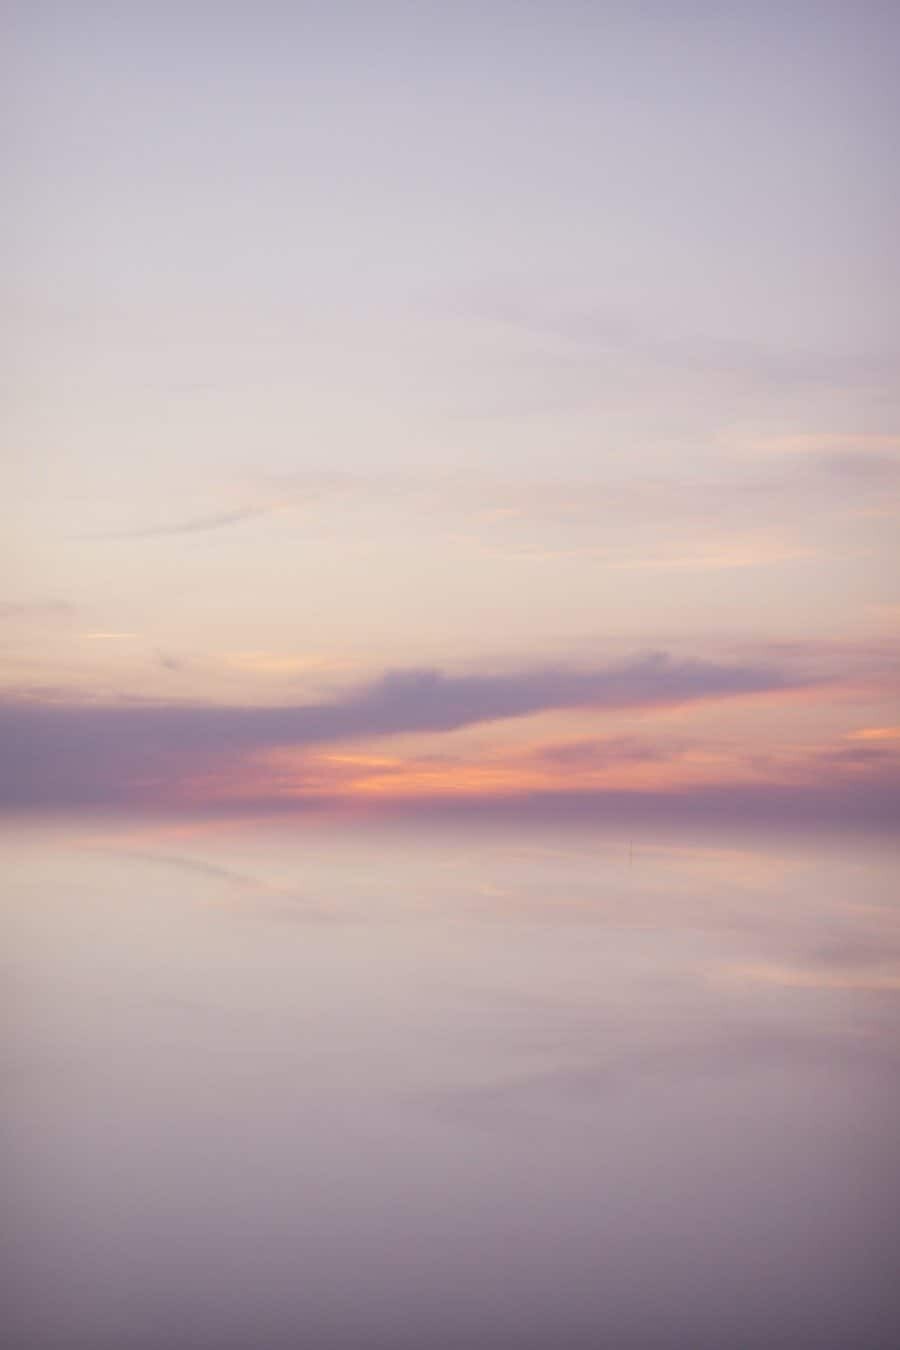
<point>194,525</point>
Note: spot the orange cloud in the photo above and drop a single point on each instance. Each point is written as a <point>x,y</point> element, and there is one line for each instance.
<point>612,764</point>
<point>875,734</point>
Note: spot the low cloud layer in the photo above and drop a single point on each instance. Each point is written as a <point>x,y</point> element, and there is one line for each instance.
<point>63,755</point>
<point>58,754</point>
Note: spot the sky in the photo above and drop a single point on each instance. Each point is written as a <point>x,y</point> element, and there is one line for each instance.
<point>449,668</point>
<point>451,410</point>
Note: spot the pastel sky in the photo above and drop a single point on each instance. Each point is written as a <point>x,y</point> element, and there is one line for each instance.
<point>433,408</point>
<point>449,669</point>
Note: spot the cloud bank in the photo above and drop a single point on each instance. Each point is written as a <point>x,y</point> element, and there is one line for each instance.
<point>60,754</point>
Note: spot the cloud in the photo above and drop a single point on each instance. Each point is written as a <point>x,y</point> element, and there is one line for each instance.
<point>873,803</point>
<point>745,513</point>
<point>798,977</point>
<point>594,1068</point>
<point>67,753</point>
<point>35,609</point>
<point>270,899</point>
<point>569,349</point>
<point>731,554</point>
<point>169,662</point>
<point>598,752</point>
<point>194,525</point>
<point>888,734</point>
<point>860,467</point>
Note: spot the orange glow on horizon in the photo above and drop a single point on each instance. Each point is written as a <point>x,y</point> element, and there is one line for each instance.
<point>353,776</point>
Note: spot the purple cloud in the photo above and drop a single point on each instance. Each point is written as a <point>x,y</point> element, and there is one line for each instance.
<point>65,753</point>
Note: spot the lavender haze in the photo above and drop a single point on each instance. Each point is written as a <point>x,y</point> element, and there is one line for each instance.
<point>356,1088</point>
<point>449,725</point>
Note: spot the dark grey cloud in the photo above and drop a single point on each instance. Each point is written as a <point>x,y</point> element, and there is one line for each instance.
<point>70,753</point>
